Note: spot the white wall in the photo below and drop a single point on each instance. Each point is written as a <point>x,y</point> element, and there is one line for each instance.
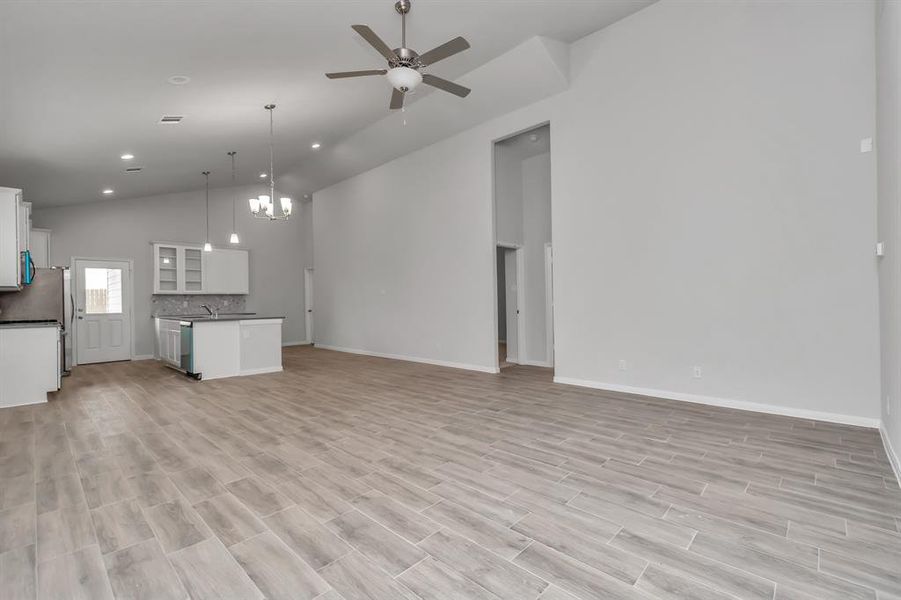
<point>536,195</point>
<point>405,258</point>
<point>125,228</point>
<point>710,207</point>
<point>508,196</point>
<point>889,154</point>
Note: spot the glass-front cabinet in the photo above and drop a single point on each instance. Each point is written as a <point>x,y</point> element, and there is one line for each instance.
<point>166,269</point>
<point>193,270</point>
<point>178,269</point>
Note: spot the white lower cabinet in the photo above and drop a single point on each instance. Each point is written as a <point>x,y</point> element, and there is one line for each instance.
<point>168,341</point>
<point>29,364</point>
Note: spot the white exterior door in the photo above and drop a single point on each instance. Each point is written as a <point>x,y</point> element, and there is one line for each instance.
<point>102,311</point>
<point>308,302</point>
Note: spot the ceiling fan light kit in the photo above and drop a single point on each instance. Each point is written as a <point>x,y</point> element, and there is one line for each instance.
<point>405,66</point>
<point>404,79</point>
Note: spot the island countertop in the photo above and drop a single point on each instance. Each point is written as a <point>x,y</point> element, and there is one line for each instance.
<point>27,324</point>
<point>222,317</point>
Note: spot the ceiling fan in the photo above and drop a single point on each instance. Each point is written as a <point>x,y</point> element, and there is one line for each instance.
<point>405,64</point>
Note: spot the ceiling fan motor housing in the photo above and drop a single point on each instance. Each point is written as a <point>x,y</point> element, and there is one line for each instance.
<point>405,58</point>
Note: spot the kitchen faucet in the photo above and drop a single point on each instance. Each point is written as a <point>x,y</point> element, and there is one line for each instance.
<point>214,312</point>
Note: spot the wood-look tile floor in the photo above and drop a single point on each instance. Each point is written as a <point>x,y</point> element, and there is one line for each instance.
<point>348,477</point>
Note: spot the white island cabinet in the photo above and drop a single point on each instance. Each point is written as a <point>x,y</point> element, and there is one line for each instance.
<point>228,346</point>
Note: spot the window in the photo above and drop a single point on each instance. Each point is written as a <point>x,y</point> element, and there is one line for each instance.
<point>102,291</point>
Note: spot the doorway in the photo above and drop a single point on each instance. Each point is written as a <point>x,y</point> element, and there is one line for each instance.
<point>510,332</point>
<point>308,304</point>
<point>103,310</point>
<point>524,261</point>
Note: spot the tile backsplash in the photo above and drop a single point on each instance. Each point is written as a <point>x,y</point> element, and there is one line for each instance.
<point>168,304</point>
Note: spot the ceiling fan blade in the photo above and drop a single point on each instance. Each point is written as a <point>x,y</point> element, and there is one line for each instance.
<point>375,41</point>
<point>455,46</point>
<point>355,73</point>
<point>447,86</point>
<point>397,99</point>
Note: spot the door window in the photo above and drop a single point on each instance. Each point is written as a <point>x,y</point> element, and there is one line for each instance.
<point>102,291</point>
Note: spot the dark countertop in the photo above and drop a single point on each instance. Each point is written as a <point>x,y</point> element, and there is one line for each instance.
<point>221,317</point>
<point>27,324</point>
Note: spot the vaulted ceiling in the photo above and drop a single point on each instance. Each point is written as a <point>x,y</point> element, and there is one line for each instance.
<point>82,83</point>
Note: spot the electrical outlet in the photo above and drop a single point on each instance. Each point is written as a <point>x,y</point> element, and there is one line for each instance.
<point>622,365</point>
<point>696,372</point>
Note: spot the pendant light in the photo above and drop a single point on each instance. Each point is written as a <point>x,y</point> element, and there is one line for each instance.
<point>233,239</point>
<point>207,246</point>
<point>263,207</point>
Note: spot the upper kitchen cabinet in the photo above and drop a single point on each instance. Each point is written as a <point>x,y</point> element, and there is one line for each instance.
<point>39,244</point>
<point>187,269</point>
<point>13,237</point>
<point>227,272</point>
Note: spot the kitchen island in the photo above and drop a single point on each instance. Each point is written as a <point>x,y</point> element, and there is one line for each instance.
<point>225,345</point>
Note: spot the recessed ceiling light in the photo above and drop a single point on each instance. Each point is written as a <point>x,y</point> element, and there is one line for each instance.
<point>262,175</point>
<point>316,146</point>
<point>108,191</point>
<point>179,79</point>
<point>127,156</point>
<point>533,137</point>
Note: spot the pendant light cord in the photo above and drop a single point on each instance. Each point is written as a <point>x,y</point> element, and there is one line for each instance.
<point>234,195</point>
<point>271,108</point>
<point>207,175</point>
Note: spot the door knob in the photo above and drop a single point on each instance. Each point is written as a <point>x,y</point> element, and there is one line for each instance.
<point>80,318</point>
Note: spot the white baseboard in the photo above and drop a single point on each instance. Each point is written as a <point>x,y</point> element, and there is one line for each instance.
<point>416,359</point>
<point>261,371</point>
<point>143,357</point>
<point>890,452</point>
<point>302,343</point>
<point>725,403</point>
<point>537,363</point>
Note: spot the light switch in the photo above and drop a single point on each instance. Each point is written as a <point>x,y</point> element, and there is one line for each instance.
<point>866,145</point>
<point>880,249</point>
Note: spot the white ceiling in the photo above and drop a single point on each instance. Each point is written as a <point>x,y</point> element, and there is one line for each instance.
<point>83,82</point>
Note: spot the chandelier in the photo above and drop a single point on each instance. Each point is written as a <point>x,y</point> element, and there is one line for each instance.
<point>263,207</point>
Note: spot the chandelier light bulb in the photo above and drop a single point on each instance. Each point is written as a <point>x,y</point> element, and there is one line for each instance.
<point>234,239</point>
<point>207,247</point>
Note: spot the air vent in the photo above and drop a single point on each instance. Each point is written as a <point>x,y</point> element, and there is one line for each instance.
<point>170,119</point>
<point>134,169</point>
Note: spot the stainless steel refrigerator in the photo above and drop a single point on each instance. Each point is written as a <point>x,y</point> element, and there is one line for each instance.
<point>48,298</point>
